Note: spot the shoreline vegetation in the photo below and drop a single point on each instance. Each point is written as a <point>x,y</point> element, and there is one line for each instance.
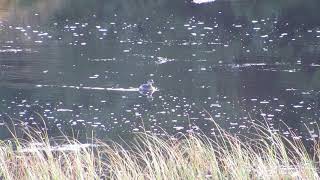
<point>265,155</point>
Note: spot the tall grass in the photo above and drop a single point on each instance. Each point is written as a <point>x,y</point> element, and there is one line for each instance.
<point>266,155</point>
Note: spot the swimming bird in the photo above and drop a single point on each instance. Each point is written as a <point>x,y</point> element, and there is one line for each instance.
<point>148,88</point>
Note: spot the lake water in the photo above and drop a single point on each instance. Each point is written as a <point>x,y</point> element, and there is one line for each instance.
<point>78,64</point>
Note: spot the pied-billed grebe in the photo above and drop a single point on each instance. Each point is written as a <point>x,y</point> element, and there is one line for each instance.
<point>147,88</point>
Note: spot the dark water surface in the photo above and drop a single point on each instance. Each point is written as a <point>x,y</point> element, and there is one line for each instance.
<point>77,63</point>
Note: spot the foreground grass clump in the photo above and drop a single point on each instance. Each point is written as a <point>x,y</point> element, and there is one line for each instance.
<point>225,156</point>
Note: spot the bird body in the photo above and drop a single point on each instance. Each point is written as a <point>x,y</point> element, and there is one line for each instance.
<point>147,88</point>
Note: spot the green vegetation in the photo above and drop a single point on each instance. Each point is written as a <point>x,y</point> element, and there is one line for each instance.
<point>266,155</point>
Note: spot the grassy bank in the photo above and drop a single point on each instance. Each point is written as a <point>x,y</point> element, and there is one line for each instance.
<point>264,156</point>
